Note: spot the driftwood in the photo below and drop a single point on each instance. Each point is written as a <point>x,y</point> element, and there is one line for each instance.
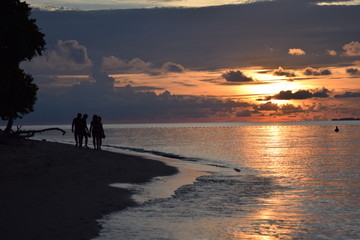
<point>28,133</point>
<point>31,133</point>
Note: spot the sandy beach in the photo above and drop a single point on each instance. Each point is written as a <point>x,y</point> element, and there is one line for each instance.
<point>56,191</point>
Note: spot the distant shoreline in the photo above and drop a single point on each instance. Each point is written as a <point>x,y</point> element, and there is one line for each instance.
<point>345,119</point>
<point>56,191</point>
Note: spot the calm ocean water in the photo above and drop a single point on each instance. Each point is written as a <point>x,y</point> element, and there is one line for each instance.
<point>260,181</point>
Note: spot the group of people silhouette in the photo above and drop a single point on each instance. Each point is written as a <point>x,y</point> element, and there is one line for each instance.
<point>82,132</point>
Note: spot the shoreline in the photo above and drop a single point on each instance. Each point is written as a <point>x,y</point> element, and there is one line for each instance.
<point>164,186</point>
<point>56,191</point>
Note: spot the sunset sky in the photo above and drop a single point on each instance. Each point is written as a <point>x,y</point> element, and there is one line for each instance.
<point>281,60</point>
<point>126,4</point>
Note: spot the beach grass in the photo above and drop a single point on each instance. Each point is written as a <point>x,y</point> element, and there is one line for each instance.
<point>56,191</point>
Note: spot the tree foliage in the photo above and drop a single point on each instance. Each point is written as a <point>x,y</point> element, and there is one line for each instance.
<point>19,93</point>
<point>20,40</point>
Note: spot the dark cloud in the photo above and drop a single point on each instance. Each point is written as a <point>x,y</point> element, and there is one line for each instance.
<point>117,65</point>
<point>268,106</point>
<point>281,72</point>
<point>69,56</point>
<point>71,49</point>
<point>112,64</point>
<point>309,71</point>
<point>353,71</point>
<point>290,108</point>
<point>323,93</point>
<point>236,77</point>
<point>278,110</point>
<point>348,95</point>
<point>302,94</point>
<point>172,67</point>
<point>103,80</point>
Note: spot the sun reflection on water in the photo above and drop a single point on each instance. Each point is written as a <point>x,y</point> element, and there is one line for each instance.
<point>295,159</point>
<point>279,212</point>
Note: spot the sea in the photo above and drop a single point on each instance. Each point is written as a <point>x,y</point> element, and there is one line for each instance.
<point>289,180</point>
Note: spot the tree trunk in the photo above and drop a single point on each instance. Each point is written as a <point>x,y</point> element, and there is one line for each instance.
<point>9,125</point>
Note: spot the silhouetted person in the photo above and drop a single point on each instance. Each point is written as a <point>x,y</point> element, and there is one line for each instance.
<point>102,133</point>
<point>337,129</point>
<point>97,132</point>
<point>75,128</point>
<point>94,129</point>
<point>84,131</point>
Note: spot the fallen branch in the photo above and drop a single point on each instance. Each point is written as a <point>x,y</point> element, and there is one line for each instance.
<point>30,133</point>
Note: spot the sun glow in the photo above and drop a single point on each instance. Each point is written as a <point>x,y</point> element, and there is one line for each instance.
<point>211,83</point>
<point>271,88</point>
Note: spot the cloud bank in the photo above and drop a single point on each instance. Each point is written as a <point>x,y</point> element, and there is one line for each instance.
<point>281,72</point>
<point>348,95</point>
<point>302,94</point>
<point>117,65</point>
<point>68,56</point>
<point>309,71</point>
<point>353,71</point>
<point>172,67</point>
<point>236,77</point>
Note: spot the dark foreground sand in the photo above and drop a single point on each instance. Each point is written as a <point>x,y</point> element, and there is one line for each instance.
<point>56,191</point>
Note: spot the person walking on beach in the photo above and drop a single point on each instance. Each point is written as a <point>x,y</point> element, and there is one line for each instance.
<point>97,132</point>
<point>75,128</point>
<point>84,131</point>
<point>102,133</point>
<point>94,130</point>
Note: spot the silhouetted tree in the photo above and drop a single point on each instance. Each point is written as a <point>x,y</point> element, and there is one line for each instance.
<point>20,40</point>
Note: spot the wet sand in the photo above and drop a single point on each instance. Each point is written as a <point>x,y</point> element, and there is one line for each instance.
<point>56,191</point>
